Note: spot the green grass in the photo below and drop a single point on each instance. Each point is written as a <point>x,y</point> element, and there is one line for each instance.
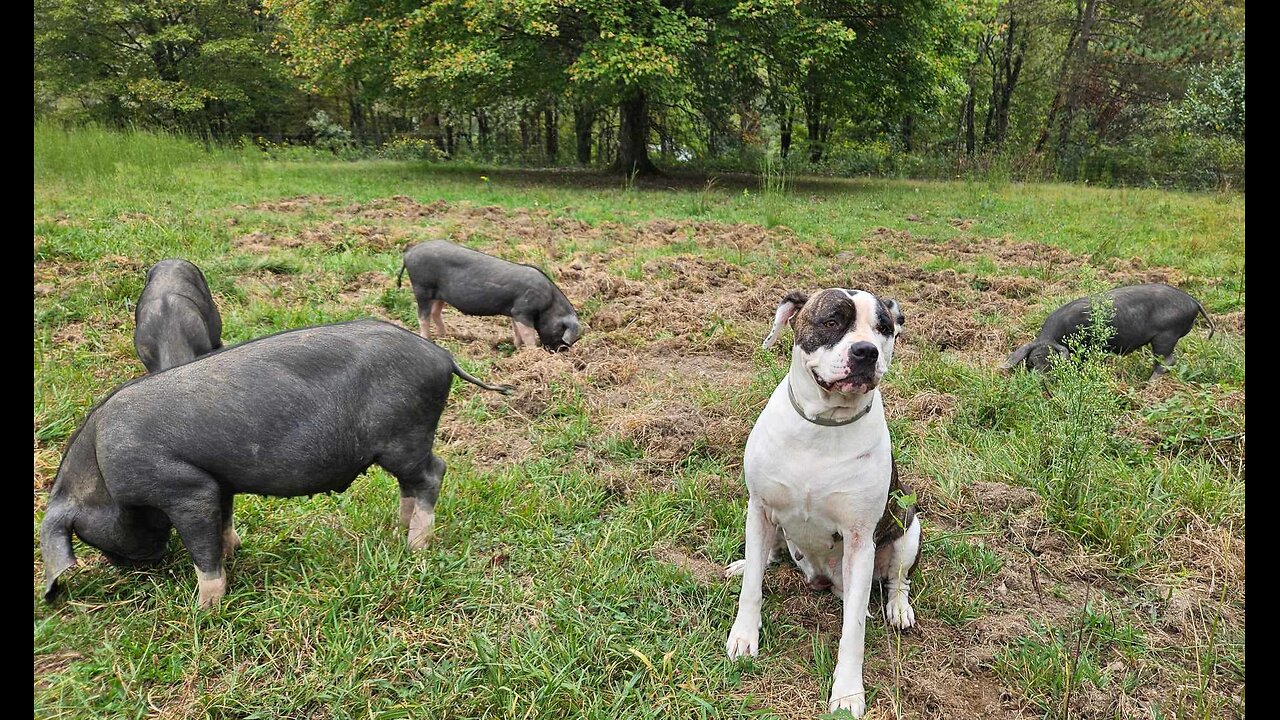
<point>550,590</point>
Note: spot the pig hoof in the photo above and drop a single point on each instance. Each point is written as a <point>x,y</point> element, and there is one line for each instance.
<point>407,505</point>
<point>421,529</point>
<point>212,588</point>
<point>230,542</point>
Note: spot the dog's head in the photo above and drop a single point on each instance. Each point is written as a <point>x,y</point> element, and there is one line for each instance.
<point>844,337</point>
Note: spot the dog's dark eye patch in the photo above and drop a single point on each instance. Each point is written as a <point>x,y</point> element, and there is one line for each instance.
<point>884,323</point>
<point>825,320</point>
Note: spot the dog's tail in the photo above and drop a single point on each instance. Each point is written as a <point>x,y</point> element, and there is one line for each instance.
<point>1206,317</point>
<point>504,389</point>
<point>401,275</point>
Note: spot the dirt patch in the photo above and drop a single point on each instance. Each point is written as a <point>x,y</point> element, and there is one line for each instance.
<point>328,236</point>
<point>701,569</point>
<point>930,405</point>
<point>261,242</point>
<point>299,204</point>
<point>998,496</point>
<point>399,206</point>
<point>1232,322</point>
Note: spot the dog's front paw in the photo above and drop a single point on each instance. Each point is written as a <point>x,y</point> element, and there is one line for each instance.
<point>854,701</point>
<point>899,614</point>
<point>735,568</point>
<point>744,640</point>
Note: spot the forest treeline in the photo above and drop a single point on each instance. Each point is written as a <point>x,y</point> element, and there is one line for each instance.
<point>1109,91</point>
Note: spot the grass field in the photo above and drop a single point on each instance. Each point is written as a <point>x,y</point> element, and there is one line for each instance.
<point>1084,533</point>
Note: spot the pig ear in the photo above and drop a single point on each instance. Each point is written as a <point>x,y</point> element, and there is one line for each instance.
<point>55,546</point>
<point>895,311</point>
<point>1017,356</point>
<point>787,310</point>
<point>1060,349</point>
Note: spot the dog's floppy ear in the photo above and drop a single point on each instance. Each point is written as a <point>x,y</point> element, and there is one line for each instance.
<point>787,310</point>
<point>895,312</point>
<point>1018,356</point>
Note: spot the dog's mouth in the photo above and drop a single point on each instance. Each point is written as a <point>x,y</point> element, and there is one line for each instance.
<point>847,384</point>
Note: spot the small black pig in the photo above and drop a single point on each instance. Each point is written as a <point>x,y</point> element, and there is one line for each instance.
<point>1154,314</point>
<point>176,320</point>
<point>296,413</point>
<point>479,284</point>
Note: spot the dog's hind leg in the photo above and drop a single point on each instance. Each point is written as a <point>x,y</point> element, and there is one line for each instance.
<point>735,568</point>
<point>894,563</point>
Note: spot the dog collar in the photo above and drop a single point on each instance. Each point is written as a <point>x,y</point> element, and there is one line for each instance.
<point>828,423</point>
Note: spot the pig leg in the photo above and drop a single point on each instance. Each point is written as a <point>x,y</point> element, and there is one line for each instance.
<point>197,515</point>
<point>423,314</point>
<point>419,488</point>
<point>1163,347</point>
<point>437,317</point>
<point>527,335</point>
<point>230,539</point>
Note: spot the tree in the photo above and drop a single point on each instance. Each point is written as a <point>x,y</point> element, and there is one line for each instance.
<point>204,66</point>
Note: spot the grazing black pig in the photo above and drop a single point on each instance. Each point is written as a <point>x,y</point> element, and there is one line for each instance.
<point>1154,314</point>
<point>176,320</point>
<point>296,413</point>
<point>479,284</point>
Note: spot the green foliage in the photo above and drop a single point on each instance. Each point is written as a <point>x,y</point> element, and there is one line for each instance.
<point>1055,662</point>
<point>410,148</point>
<point>1214,101</point>
<point>329,135</point>
<point>200,66</point>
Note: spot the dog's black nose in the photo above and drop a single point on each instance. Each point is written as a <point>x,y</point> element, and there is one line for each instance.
<point>864,352</point>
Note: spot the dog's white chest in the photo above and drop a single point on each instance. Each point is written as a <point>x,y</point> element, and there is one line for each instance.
<point>818,482</point>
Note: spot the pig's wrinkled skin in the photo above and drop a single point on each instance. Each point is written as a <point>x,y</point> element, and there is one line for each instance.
<point>296,413</point>
<point>176,320</point>
<point>1154,314</point>
<point>479,284</point>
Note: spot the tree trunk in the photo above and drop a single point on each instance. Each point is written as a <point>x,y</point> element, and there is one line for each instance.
<point>604,141</point>
<point>633,136</point>
<point>1012,69</point>
<point>989,123</point>
<point>908,132</point>
<point>583,118</point>
<point>482,130</point>
<point>784,134</point>
<point>1077,44</point>
<point>431,124</point>
<point>355,116</point>
<point>552,127</point>
<point>815,122</point>
<point>968,123</point>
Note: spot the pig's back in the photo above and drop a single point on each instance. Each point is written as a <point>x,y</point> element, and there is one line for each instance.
<point>320,402</point>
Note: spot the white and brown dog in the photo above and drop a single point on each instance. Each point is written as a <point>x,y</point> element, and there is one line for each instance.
<point>822,479</point>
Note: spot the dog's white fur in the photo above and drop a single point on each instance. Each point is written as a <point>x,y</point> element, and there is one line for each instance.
<point>820,491</point>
